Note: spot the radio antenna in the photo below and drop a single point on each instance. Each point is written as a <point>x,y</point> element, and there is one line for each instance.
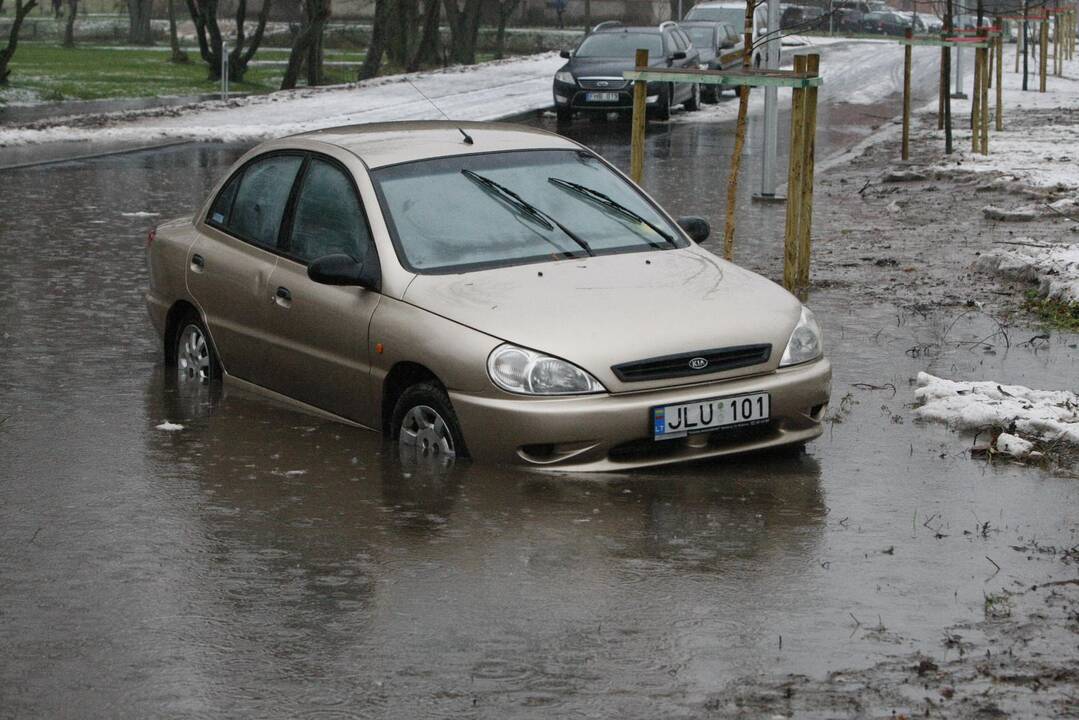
<point>467,137</point>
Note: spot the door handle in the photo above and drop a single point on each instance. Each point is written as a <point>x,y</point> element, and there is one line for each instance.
<point>283,297</point>
<point>198,262</point>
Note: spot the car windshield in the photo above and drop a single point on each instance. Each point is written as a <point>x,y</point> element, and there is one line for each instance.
<point>510,208</point>
<point>620,45</point>
<point>701,36</point>
<point>732,15</point>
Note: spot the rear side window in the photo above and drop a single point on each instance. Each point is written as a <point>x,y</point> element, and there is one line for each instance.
<point>219,213</point>
<point>258,201</point>
<point>328,218</point>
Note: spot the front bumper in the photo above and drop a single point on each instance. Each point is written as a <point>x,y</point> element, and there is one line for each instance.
<point>576,98</point>
<point>614,431</point>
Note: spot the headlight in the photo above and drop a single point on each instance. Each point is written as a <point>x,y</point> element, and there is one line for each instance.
<point>565,76</point>
<point>806,343</point>
<point>519,370</point>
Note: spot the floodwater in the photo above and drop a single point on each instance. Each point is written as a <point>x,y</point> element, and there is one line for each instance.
<point>265,563</point>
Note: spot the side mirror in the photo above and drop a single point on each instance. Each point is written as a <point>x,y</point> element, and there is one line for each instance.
<point>565,54</point>
<point>340,269</point>
<point>696,227</point>
<point>678,55</point>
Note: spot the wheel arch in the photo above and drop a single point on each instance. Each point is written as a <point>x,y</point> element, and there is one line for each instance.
<point>402,376</point>
<point>179,310</point>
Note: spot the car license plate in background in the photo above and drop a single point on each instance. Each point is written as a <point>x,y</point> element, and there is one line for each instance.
<point>675,421</point>
<point>601,97</point>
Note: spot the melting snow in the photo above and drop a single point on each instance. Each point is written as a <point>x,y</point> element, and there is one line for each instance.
<point>1055,267</point>
<point>140,214</point>
<point>1050,415</point>
<point>170,426</point>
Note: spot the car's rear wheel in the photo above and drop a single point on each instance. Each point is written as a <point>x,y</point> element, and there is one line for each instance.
<point>663,105</point>
<point>694,102</point>
<point>425,425</point>
<point>195,359</point>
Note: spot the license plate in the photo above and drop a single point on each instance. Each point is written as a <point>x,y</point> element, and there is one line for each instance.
<point>675,421</point>
<point>601,97</point>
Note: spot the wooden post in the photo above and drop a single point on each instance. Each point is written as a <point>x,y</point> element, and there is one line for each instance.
<point>940,89</point>
<point>1000,81</point>
<point>986,54</point>
<point>640,98</point>
<point>905,153</point>
<point>975,103</point>
<point>791,263</point>
<point>805,205</point>
<point>1043,53</point>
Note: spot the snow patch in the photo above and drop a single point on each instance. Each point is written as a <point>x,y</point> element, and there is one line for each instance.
<point>140,214</point>
<point>170,426</point>
<point>1049,415</point>
<point>1023,214</point>
<point>1017,447</point>
<point>1054,267</point>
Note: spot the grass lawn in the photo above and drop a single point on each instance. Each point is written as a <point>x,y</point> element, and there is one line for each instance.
<point>54,73</point>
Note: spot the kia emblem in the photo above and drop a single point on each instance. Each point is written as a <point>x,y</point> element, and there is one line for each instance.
<point>698,363</point>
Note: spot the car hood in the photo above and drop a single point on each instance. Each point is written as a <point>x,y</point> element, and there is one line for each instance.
<point>608,310</point>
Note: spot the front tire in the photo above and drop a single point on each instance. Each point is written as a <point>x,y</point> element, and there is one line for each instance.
<point>563,115</point>
<point>425,425</point>
<point>663,107</point>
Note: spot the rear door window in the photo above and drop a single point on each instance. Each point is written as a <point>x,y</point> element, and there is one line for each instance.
<point>328,218</point>
<point>259,200</point>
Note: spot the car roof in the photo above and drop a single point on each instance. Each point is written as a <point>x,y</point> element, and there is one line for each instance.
<point>629,28</point>
<point>392,143</point>
<point>721,4</point>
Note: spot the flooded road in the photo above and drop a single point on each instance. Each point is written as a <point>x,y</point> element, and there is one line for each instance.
<point>262,562</point>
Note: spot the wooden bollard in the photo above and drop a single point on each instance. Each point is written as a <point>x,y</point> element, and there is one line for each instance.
<point>987,54</point>
<point>805,205</point>
<point>1043,53</point>
<point>640,100</point>
<point>1000,82</point>
<point>976,103</point>
<point>791,262</point>
<point>905,153</point>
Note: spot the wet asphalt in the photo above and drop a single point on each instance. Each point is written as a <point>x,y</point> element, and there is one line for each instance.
<point>266,563</point>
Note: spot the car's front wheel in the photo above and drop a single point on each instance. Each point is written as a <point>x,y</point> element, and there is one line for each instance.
<point>425,425</point>
<point>694,102</point>
<point>195,359</point>
<point>563,115</point>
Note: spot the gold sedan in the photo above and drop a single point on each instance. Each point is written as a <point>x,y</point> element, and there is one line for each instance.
<point>482,290</point>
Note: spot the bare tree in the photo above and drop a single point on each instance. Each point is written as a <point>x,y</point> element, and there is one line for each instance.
<point>464,22</point>
<point>69,24</point>
<point>372,63</point>
<point>177,56</point>
<point>402,32</point>
<point>22,9</point>
<point>139,13</point>
<point>204,15</point>
<point>429,49</point>
<point>307,46</point>
<point>505,8</point>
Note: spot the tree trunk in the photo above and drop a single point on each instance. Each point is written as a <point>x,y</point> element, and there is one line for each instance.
<point>400,40</point>
<point>204,16</point>
<point>377,47</point>
<point>429,49</point>
<point>948,81</point>
<point>69,26</point>
<point>464,28</point>
<point>21,11</point>
<point>139,31</point>
<point>505,9</point>
<point>739,138</point>
<point>178,56</point>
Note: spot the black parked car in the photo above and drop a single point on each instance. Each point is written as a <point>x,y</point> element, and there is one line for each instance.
<point>802,18</point>
<point>592,82</point>
<point>720,47</point>
<point>884,23</point>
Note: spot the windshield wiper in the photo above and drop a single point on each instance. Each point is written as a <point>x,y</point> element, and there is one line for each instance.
<point>526,207</point>
<point>609,203</point>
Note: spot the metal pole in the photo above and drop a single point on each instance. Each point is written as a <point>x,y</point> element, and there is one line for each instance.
<point>680,16</point>
<point>224,70</point>
<point>905,151</point>
<point>831,19</point>
<point>771,107</point>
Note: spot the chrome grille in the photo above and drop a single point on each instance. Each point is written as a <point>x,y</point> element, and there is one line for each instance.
<point>602,83</point>
<point>703,362</point>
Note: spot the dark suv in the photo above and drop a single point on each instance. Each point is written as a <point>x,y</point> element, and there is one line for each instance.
<point>592,82</point>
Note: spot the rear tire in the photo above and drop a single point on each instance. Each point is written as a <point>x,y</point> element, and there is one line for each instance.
<point>663,106</point>
<point>694,102</point>
<point>193,355</point>
<point>425,425</point>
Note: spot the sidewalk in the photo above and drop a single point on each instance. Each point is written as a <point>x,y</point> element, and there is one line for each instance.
<point>488,91</point>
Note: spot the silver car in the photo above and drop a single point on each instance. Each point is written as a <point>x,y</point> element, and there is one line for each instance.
<point>483,290</point>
